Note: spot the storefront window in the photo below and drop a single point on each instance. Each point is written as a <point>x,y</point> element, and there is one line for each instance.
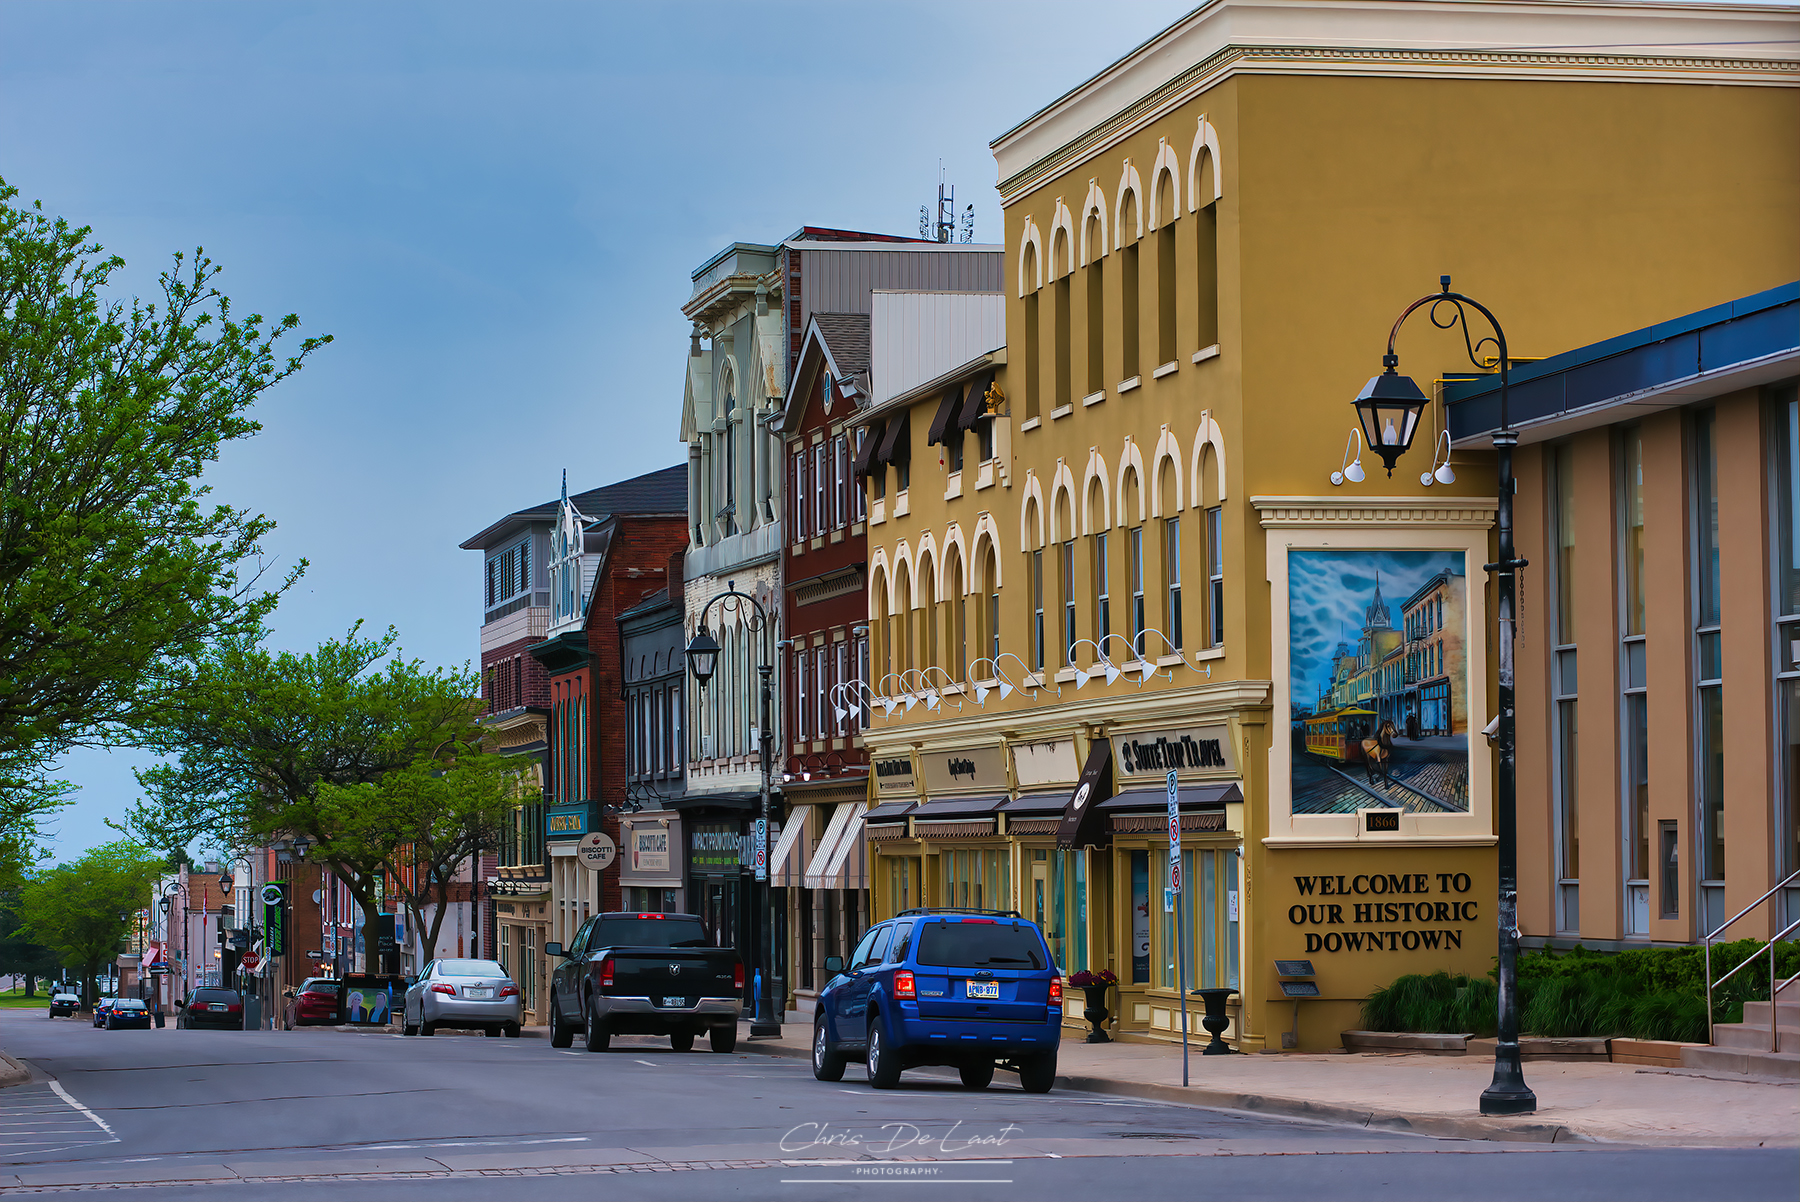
<point>1209,912</point>
<point>1784,430</point>
<point>976,879</point>
<point>1066,925</point>
<point>902,883</point>
<point>1140,918</point>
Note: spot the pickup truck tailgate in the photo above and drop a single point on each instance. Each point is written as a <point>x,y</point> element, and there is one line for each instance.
<point>672,976</point>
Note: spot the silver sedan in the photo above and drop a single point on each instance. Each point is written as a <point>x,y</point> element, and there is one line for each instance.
<point>469,995</point>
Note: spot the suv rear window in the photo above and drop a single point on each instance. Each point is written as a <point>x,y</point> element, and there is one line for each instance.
<point>321,985</point>
<point>648,932</point>
<point>980,945</point>
<point>213,995</point>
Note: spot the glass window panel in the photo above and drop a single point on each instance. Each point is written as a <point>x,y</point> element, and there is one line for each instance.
<point>1711,723</point>
<point>1140,918</point>
<point>1206,914</point>
<point>1231,917</point>
<point>1631,549</point>
<point>1567,790</point>
<point>1563,518</point>
<point>1706,520</point>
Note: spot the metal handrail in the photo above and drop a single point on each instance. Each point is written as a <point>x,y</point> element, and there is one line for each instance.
<point>1774,1034</point>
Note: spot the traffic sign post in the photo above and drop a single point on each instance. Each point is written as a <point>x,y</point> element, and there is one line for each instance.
<point>760,857</point>
<point>250,961</point>
<point>1175,883</point>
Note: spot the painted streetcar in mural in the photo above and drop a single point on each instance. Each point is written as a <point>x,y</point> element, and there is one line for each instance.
<point>1380,690</point>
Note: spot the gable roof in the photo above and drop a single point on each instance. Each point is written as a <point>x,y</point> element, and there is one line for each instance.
<point>838,341</point>
<point>662,492</point>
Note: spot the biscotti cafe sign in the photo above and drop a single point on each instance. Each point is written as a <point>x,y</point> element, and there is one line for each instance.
<point>1196,749</point>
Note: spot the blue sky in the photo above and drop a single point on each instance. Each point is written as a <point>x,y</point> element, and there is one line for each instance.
<point>1328,592</point>
<point>495,209</point>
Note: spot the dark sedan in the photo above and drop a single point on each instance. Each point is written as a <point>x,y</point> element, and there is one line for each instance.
<point>101,1008</point>
<point>218,1009</point>
<point>127,1012</point>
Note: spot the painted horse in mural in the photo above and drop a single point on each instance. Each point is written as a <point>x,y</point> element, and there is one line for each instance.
<point>1378,751</point>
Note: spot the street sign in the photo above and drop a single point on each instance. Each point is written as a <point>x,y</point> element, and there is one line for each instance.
<point>315,955</point>
<point>760,855</point>
<point>1175,876</point>
<point>1174,826</point>
<point>159,968</point>
<point>251,960</point>
<point>597,851</point>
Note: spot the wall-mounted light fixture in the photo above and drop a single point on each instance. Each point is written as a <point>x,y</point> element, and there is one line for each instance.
<point>1350,469</point>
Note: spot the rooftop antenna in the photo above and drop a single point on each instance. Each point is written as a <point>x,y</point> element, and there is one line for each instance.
<point>946,226</point>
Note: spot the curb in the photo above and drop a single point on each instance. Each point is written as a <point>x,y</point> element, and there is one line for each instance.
<point>1454,1127</point>
<point>12,1072</point>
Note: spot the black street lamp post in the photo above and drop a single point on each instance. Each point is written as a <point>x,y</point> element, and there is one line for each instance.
<point>703,659</point>
<point>1388,408</point>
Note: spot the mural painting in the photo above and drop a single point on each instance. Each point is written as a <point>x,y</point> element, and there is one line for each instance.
<point>1379,694</point>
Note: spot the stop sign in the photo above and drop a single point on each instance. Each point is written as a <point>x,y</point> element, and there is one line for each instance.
<point>251,960</point>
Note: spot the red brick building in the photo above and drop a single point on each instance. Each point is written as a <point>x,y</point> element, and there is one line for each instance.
<point>609,550</point>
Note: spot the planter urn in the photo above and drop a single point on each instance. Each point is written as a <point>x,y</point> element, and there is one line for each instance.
<point>1215,1020</point>
<point>1096,1013</point>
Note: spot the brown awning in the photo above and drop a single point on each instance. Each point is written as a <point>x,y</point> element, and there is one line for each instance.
<point>896,444</point>
<point>943,426</point>
<point>1190,798</point>
<point>865,454</point>
<point>974,406</point>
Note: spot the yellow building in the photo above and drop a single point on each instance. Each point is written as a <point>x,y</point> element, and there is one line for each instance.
<point>1138,564</point>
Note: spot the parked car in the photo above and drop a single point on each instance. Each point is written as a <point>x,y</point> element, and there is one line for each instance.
<point>128,1012</point>
<point>64,1005</point>
<point>645,974</point>
<point>211,1007</point>
<point>100,1009</point>
<point>969,989</point>
<point>469,995</point>
<point>316,1001</point>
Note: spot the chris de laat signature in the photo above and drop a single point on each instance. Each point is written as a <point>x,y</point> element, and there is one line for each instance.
<point>811,1137</point>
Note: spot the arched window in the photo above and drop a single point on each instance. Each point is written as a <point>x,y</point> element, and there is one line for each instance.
<point>880,627</point>
<point>1206,253</point>
<point>990,605</point>
<point>956,633</point>
<point>1065,577</point>
<point>1132,505</point>
<point>1130,332</point>
<point>1167,207</point>
<point>903,619</point>
<point>728,405</point>
<point>1062,268</point>
<point>928,613</point>
<point>1168,500</point>
<point>1100,561</point>
<point>1095,236</point>
<point>1031,333</point>
<point>1212,546</point>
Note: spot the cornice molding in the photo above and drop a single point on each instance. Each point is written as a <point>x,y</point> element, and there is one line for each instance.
<point>1352,61</point>
<point>1455,512</point>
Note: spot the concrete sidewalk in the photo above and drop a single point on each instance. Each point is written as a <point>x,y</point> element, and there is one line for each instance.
<point>1432,1095</point>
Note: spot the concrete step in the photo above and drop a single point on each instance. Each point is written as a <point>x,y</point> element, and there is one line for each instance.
<point>1787,1014</point>
<point>1753,1037</point>
<point>1784,1065</point>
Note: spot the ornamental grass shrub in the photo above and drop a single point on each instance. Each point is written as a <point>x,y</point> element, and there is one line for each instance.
<point>1653,993</point>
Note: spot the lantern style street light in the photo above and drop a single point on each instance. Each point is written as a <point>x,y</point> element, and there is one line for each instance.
<point>1387,404</point>
<point>703,660</point>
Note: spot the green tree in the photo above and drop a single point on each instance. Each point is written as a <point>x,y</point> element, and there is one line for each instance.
<point>20,954</point>
<point>433,816</point>
<point>264,745</point>
<point>113,565</point>
<point>83,910</point>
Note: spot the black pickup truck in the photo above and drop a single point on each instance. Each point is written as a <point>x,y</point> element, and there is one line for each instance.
<point>645,974</point>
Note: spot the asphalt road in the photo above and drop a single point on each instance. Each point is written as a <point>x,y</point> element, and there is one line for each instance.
<point>329,1114</point>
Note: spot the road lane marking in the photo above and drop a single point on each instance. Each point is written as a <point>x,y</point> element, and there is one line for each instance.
<point>98,1121</point>
<point>473,1143</point>
<point>644,1062</point>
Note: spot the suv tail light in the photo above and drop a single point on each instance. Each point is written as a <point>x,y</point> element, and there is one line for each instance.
<point>231,1009</point>
<point>509,991</point>
<point>904,986</point>
<point>1055,991</point>
<point>441,988</point>
<point>606,972</point>
<point>737,975</point>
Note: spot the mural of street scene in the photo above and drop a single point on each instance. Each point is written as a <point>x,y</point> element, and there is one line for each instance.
<point>1379,700</point>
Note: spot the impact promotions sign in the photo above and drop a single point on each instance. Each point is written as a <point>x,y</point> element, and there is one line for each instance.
<point>1384,912</point>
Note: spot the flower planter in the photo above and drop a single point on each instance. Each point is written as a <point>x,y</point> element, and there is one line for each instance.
<point>1096,1012</point>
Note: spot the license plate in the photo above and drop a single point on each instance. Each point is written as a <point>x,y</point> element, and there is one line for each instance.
<point>675,1001</point>
<point>215,1006</point>
<point>984,989</point>
<point>478,993</point>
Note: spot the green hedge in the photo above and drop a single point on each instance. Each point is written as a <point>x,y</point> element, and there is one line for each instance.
<point>1655,993</point>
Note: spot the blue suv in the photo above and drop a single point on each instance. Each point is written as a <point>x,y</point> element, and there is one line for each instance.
<point>968,988</point>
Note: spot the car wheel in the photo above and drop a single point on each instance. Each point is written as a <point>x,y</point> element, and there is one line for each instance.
<point>428,1029</point>
<point>682,1041</point>
<point>884,1066</point>
<point>512,1030</point>
<point>1038,1073</point>
<point>492,1032</point>
<point>978,1075</point>
<point>723,1039</point>
<point>407,1028</point>
<point>110,1026</point>
<point>827,1064</point>
<point>560,1036</point>
<point>595,1037</point>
